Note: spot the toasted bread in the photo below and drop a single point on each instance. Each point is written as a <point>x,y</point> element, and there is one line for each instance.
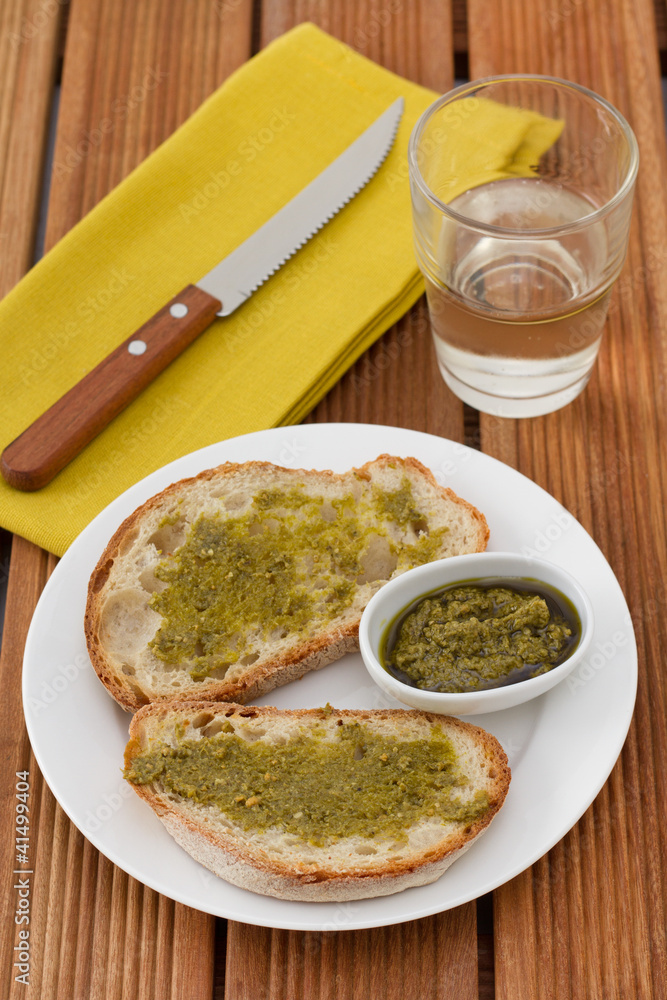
<point>353,804</point>
<point>276,566</point>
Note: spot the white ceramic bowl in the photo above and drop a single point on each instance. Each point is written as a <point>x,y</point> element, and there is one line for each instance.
<point>396,595</point>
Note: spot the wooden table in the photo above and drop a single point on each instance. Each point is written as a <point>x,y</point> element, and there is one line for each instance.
<point>588,920</point>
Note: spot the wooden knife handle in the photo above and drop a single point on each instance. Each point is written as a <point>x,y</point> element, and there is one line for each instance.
<point>54,439</point>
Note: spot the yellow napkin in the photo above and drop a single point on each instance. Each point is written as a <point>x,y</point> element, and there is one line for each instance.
<point>272,127</point>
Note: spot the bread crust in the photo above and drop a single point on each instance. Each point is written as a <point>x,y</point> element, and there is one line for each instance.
<point>311,654</point>
<point>226,856</point>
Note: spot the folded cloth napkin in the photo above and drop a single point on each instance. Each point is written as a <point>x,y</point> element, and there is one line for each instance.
<point>272,127</point>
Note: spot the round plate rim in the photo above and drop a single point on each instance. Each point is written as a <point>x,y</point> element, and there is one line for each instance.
<point>144,487</point>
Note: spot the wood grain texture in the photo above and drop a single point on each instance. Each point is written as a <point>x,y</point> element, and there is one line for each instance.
<point>461,24</point>
<point>589,920</point>
<point>50,443</point>
<point>433,959</point>
<point>24,587</point>
<point>96,933</point>
<point>28,51</point>
<point>29,40</point>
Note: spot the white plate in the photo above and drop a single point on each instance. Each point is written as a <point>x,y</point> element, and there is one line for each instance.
<point>561,746</point>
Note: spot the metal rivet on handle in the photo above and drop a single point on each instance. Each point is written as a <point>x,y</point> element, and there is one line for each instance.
<point>136,346</point>
<point>178,310</point>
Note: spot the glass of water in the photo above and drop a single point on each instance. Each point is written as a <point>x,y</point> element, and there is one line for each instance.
<point>521,194</point>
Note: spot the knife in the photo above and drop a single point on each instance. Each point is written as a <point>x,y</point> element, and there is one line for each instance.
<point>54,439</point>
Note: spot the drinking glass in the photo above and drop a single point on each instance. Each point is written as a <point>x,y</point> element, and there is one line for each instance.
<point>521,195</point>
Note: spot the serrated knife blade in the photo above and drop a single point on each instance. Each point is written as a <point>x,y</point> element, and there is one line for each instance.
<point>236,277</point>
<point>58,435</point>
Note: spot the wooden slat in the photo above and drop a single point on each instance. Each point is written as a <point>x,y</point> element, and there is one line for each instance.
<point>589,920</point>
<point>460,26</point>
<point>396,382</point>
<point>461,23</point>
<point>432,959</point>
<point>23,590</point>
<point>28,51</point>
<point>96,932</point>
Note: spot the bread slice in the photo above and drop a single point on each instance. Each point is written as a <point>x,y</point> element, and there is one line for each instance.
<point>277,564</point>
<point>310,828</point>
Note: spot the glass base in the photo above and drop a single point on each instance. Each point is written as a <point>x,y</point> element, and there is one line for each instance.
<point>512,387</point>
<point>500,406</point>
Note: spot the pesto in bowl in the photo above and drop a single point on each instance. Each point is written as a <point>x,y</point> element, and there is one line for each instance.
<point>480,634</point>
<point>515,627</point>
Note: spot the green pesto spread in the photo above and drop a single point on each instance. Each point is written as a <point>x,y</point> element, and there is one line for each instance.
<point>474,636</point>
<point>320,787</point>
<point>284,567</point>
<point>397,504</point>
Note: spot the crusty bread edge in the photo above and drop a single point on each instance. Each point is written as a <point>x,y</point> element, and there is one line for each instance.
<point>316,653</point>
<point>228,860</point>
